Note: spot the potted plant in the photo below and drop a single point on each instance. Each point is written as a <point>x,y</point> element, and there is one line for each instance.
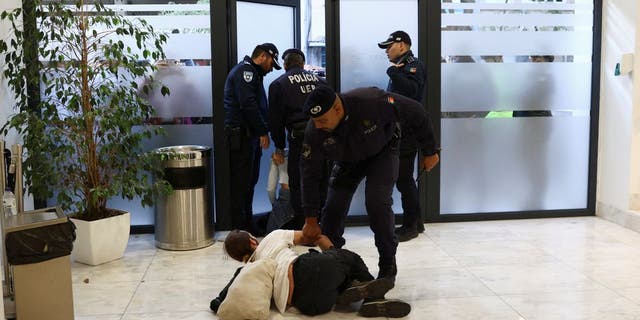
<point>83,129</point>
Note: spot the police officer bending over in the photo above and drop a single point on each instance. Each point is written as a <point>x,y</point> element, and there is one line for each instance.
<point>406,77</point>
<point>287,95</point>
<point>360,130</point>
<point>245,106</point>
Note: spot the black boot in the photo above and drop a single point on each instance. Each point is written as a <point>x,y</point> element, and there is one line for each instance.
<point>407,233</point>
<point>388,270</point>
<point>370,289</point>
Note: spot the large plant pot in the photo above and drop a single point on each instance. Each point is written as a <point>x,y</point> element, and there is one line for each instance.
<point>101,240</point>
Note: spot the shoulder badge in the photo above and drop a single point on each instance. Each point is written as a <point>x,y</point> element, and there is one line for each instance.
<point>247,76</point>
<point>369,127</point>
<point>306,151</point>
<point>391,100</point>
<point>413,70</point>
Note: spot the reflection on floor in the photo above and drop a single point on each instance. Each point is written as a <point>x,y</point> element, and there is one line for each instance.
<point>543,269</point>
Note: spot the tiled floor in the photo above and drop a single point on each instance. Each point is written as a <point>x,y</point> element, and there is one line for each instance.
<point>546,269</point>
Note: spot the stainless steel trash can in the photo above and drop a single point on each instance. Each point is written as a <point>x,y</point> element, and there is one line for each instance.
<point>184,220</point>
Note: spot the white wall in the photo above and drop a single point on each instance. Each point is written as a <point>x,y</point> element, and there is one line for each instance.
<point>618,149</point>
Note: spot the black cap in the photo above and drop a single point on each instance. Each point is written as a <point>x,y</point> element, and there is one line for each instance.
<point>319,101</point>
<point>271,49</point>
<point>293,50</point>
<point>398,36</point>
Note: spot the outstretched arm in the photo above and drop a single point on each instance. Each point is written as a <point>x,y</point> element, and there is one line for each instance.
<point>323,242</point>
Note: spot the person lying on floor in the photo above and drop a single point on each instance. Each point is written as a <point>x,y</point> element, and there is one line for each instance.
<point>313,282</point>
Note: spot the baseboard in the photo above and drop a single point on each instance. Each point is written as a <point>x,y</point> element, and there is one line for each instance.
<point>142,229</point>
<point>634,201</point>
<point>627,218</point>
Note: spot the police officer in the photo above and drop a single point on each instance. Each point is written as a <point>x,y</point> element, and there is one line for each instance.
<point>287,95</point>
<point>360,130</point>
<point>245,105</point>
<point>406,77</point>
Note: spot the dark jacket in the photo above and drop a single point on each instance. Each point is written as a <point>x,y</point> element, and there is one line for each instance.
<point>287,95</point>
<point>408,80</point>
<point>245,101</point>
<point>371,120</point>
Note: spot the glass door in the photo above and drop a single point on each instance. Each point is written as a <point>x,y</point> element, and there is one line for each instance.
<point>516,81</point>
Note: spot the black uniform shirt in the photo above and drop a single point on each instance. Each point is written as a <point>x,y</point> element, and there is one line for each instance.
<point>287,95</point>
<point>370,122</point>
<point>409,79</point>
<point>245,101</point>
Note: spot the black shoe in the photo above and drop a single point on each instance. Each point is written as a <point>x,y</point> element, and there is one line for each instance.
<point>399,229</point>
<point>215,304</point>
<point>407,234</point>
<point>370,289</point>
<point>420,227</point>
<point>384,308</point>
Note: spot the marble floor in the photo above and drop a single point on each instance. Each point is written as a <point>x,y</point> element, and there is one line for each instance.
<point>543,269</point>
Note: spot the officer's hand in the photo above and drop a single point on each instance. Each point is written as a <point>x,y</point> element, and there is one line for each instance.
<point>311,229</point>
<point>264,142</point>
<point>428,162</point>
<point>278,158</point>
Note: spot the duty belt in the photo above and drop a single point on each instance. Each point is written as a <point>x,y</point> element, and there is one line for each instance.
<point>237,130</point>
<point>296,129</point>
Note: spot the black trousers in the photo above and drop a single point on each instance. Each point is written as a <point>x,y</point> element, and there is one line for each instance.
<point>408,189</point>
<point>320,277</point>
<point>243,158</point>
<point>381,172</point>
<point>255,175</point>
<point>295,139</point>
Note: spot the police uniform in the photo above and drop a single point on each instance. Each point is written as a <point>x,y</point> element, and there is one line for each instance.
<point>287,95</point>
<point>364,144</point>
<point>409,81</point>
<point>245,105</point>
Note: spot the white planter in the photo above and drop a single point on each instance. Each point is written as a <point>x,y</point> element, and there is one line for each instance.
<point>101,240</point>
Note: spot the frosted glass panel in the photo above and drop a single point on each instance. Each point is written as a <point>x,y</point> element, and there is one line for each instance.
<point>362,25</point>
<point>514,164</point>
<point>527,56</point>
<point>187,112</point>
<point>190,92</point>
<point>280,31</point>
<point>516,86</point>
<point>515,43</point>
<point>362,63</point>
<point>502,20</point>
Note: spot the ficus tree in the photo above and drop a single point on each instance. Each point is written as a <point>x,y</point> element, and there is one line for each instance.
<point>84,125</point>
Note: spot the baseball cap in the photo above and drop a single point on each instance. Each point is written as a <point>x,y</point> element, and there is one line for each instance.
<point>271,49</point>
<point>397,36</point>
<point>319,101</point>
<point>293,50</point>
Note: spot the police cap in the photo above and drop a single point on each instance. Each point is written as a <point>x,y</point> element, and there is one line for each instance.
<point>397,36</point>
<point>271,49</point>
<point>293,50</point>
<point>319,101</point>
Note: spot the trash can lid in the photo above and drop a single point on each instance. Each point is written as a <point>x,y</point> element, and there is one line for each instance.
<point>34,219</point>
<point>184,152</point>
